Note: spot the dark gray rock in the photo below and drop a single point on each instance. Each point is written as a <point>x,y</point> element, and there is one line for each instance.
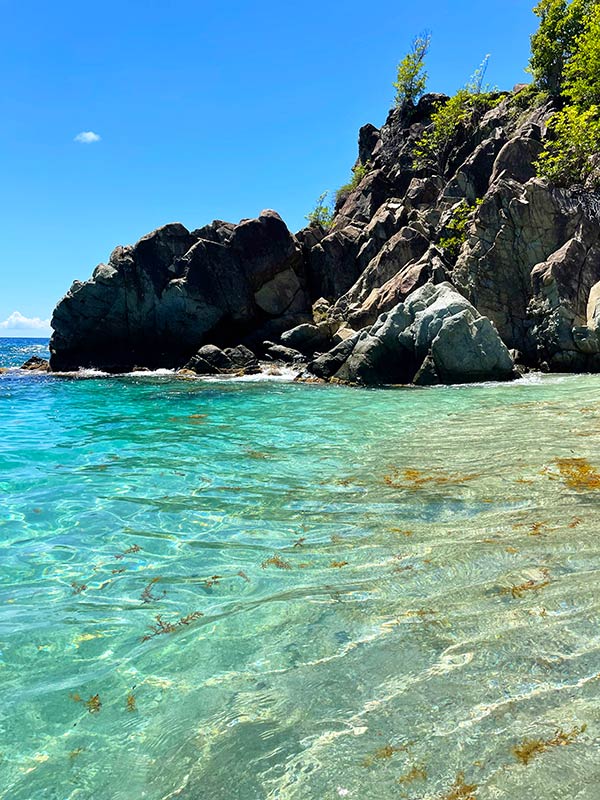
<point>154,304</point>
<point>211,360</point>
<point>307,338</point>
<point>286,355</point>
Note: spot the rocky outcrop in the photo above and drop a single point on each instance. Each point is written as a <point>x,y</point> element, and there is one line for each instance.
<point>516,259</point>
<point>435,336</point>
<point>36,364</point>
<point>211,360</point>
<point>155,303</point>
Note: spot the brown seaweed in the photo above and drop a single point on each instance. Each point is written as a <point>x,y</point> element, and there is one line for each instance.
<point>460,790</point>
<point>163,626</point>
<point>530,748</point>
<point>416,773</point>
<point>383,753</point>
<point>93,704</point>
<point>276,561</point>
<point>578,473</point>
<point>147,596</point>
<point>415,479</point>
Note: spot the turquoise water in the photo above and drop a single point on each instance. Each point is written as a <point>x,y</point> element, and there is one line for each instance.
<point>395,587</point>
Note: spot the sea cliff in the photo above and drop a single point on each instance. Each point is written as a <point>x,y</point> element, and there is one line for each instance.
<point>516,261</point>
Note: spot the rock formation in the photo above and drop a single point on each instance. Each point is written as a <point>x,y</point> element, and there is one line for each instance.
<point>394,291</point>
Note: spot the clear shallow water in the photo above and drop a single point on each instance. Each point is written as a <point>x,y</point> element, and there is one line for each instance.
<point>464,622</point>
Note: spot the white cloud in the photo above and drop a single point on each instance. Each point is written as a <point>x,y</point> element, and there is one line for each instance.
<point>87,137</point>
<point>17,322</point>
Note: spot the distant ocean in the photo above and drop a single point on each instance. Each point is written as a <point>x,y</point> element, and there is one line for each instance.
<point>274,591</point>
<point>14,352</point>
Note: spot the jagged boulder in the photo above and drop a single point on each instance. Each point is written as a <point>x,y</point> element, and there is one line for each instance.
<point>155,303</point>
<point>435,336</point>
<point>36,364</point>
<point>211,360</point>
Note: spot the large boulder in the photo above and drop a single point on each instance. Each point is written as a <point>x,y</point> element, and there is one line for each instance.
<point>435,336</point>
<point>155,303</point>
<point>211,360</point>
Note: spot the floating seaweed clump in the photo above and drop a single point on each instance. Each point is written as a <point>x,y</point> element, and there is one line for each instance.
<point>530,748</point>
<point>383,753</point>
<point>162,626</point>
<point>276,561</point>
<point>415,479</point>
<point>212,581</point>
<point>460,790</point>
<point>93,704</point>
<point>78,588</point>
<point>416,773</point>
<point>578,473</point>
<point>338,564</point>
<point>517,591</point>
<point>147,595</point>
<point>131,703</point>
<point>135,548</point>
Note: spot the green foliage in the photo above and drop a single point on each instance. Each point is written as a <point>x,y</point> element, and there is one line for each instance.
<point>411,78</point>
<point>582,71</point>
<point>322,213</point>
<point>456,230</point>
<point>529,97</point>
<point>561,22</point>
<point>572,152</point>
<point>571,155</point>
<point>358,173</point>
<point>461,111</point>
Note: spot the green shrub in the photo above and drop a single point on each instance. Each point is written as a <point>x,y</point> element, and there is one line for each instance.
<point>358,173</point>
<point>456,230</point>
<point>461,111</point>
<point>529,97</point>
<point>322,213</point>
<point>411,78</point>
<point>570,156</point>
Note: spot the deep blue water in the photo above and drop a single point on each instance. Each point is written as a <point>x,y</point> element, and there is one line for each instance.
<point>264,590</point>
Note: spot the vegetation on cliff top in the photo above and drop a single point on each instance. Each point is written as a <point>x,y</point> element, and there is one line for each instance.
<point>565,60</point>
<point>565,65</point>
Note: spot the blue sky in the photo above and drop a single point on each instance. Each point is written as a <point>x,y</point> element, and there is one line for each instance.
<point>203,111</point>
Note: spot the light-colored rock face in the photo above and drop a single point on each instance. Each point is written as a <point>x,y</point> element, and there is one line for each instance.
<point>435,326</point>
<point>593,308</point>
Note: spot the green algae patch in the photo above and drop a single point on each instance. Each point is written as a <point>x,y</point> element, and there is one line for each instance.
<point>530,748</point>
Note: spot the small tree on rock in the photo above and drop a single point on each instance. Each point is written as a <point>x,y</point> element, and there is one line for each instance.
<point>411,78</point>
